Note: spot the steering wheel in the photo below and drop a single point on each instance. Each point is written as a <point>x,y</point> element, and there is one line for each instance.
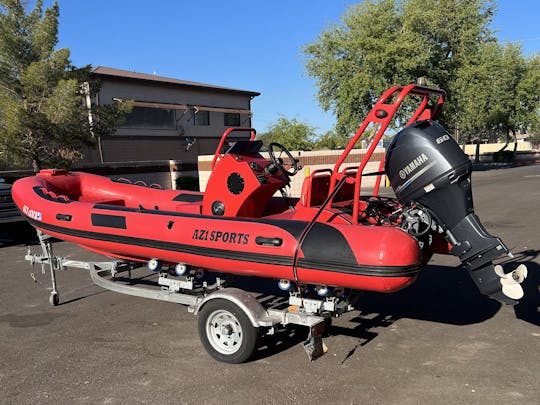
<point>290,161</point>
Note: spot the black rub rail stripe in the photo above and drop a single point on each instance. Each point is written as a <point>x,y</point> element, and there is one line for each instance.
<point>364,270</point>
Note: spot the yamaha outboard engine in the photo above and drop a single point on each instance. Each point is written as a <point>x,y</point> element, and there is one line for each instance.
<point>427,168</point>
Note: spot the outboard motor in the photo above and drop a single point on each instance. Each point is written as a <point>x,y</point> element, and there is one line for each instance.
<point>427,167</point>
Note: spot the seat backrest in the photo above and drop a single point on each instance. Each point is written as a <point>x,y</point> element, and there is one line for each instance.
<point>315,188</point>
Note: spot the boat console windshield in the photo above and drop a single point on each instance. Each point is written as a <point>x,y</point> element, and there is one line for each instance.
<point>245,148</point>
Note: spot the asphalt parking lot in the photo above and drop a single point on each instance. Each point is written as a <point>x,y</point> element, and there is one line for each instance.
<point>436,342</point>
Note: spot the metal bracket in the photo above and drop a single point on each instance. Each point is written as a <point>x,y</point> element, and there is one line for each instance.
<point>174,286</point>
<point>61,263</point>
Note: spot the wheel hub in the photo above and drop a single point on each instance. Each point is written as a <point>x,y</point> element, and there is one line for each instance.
<point>224,332</point>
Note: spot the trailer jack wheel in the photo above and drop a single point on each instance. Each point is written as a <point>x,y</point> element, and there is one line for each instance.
<point>54,298</point>
<point>226,332</point>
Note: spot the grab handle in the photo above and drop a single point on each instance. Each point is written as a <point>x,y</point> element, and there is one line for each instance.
<point>261,240</point>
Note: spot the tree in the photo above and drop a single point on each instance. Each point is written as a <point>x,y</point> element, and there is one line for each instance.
<point>498,93</point>
<point>331,140</point>
<point>293,134</point>
<point>42,116</point>
<point>385,42</point>
<point>534,135</point>
<point>528,97</point>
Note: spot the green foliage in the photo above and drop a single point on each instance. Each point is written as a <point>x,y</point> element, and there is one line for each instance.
<point>331,140</point>
<point>528,99</point>
<point>293,134</point>
<point>43,120</point>
<point>498,92</point>
<point>385,42</point>
<point>535,140</point>
<point>534,133</point>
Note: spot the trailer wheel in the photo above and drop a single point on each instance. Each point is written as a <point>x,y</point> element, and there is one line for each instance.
<point>54,298</point>
<point>226,332</point>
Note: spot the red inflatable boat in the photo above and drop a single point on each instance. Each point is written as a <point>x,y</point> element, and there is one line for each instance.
<point>330,236</point>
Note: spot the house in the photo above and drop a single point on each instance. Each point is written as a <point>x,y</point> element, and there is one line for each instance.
<point>171,119</point>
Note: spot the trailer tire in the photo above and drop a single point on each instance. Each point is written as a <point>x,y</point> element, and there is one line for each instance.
<point>54,298</point>
<point>226,332</point>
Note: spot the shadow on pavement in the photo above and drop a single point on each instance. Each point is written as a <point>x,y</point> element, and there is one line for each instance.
<point>283,339</point>
<point>528,308</point>
<point>441,294</point>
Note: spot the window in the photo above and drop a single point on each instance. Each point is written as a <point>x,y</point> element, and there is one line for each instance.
<point>202,118</point>
<point>150,118</point>
<point>231,119</point>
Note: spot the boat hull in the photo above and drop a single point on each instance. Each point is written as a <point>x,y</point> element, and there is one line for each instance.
<point>361,257</point>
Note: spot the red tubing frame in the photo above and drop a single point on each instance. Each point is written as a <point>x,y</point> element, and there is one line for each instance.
<point>229,131</point>
<point>382,113</point>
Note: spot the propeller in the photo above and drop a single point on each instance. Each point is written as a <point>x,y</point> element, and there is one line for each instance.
<point>511,281</point>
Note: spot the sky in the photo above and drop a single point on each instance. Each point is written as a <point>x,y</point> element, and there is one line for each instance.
<point>244,44</point>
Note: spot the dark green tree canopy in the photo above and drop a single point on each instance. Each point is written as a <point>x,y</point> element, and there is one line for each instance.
<point>380,43</point>
<point>43,119</point>
<point>498,92</point>
<point>331,140</point>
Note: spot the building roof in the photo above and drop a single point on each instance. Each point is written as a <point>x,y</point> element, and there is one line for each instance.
<point>125,74</point>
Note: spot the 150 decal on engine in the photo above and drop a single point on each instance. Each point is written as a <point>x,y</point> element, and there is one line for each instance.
<point>221,236</point>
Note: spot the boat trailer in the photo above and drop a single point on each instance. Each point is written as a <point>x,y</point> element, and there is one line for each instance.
<point>230,319</point>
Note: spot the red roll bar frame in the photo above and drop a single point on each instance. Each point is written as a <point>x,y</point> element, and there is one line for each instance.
<point>382,113</point>
<point>217,154</point>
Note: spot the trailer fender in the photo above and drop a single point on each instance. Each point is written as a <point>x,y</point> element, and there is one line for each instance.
<point>247,302</point>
